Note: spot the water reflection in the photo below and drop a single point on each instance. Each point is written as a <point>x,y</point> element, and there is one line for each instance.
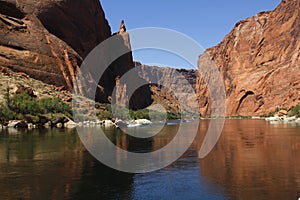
<point>33,166</point>
<point>138,155</point>
<point>254,160</point>
<point>53,164</point>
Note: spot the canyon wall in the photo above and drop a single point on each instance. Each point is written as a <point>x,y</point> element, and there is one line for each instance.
<point>49,39</point>
<point>166,82</point>
<point>259,61</point>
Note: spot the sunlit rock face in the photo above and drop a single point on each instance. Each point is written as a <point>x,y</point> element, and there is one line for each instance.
<point>259,62</point>
<point>48,40</point>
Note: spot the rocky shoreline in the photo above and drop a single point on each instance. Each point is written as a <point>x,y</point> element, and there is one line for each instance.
<point>20,83</point>
<point>70,124</point>
<point>284,119</point>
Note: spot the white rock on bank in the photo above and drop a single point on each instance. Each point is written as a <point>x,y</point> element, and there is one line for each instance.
<point>70,124</point>
<point>17,124</point>
<point>47,125</point>
<point>30,126</point>
<point>59,125</point>
<point>256,117</point>
<point>273,119</point>
<point>12,124</point>
<point>99,123</point>
<point>142,121</point>
<point>283,119</point>
<point>108,123</point>
<point>289,119</point>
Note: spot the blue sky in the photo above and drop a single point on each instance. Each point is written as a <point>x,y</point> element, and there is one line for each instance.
<point>207,22</point>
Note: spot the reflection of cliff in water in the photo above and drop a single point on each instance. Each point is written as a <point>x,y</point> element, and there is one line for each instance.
<point>254,160</point>
<point>53,164</point>
<point>31,163</point>
<point>101,182</point>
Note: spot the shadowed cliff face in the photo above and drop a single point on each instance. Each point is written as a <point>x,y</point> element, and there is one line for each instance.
<point>81,25</point>
<point>48,40</point>
<point>260,63</point>
<point>26,46</point>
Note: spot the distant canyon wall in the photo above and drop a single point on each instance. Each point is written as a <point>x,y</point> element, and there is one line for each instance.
<point>174,88</point>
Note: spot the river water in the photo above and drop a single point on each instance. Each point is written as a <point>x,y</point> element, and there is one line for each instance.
<point>252,160</point>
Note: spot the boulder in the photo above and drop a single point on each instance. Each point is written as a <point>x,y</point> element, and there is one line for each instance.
<point>120,123</point>
<point>17,124</point>
<point>30,126</point>
<point>142,121</point>
<point>70,124</point>
<point>272,119</point>
<point>27,90</point>
<point>48,124</point>
<point>108,123</point>
<point>290,119</point>
<point>281,113</point>
<point>59,125</point>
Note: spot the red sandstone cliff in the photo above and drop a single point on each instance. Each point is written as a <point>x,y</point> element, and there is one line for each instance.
<point>48,40</point>
<point>259,61</point>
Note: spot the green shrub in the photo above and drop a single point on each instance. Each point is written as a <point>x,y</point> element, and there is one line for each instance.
<point>295,111</point>
<point>6,114</point>
<point>104,114</point>
<point>49,105</point>
<point>122,113</point>
<point>140,114</point>
<point>25,104</point>
<point>173,116</point>
<point>157,116</point>
<point>30,118</point>
<point>271,114</point>
<point>240,117</point>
